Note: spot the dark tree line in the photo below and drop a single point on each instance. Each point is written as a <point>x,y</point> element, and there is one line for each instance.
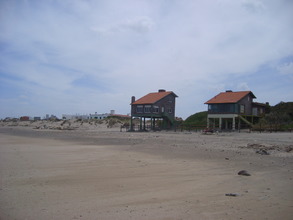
<point>279,117</point>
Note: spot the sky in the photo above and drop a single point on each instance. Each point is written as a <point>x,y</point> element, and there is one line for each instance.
<point>85,56</point>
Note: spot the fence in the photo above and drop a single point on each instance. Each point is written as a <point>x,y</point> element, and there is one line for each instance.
<point>175,128</point>
<point>271,128</point>
<point>139,128</point>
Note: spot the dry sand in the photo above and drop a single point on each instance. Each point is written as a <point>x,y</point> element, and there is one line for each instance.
<point>107,174</point>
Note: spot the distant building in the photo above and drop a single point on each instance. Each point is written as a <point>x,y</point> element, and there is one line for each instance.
<point>77,116</point>
<point>228,107</point>
<point>24,118</point>
<point>99,116</point>
<point>67,117</point>
<point>52,117</point>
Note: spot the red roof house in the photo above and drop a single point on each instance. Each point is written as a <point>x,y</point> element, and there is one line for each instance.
<point>155,105</point>
<point>228,106</point>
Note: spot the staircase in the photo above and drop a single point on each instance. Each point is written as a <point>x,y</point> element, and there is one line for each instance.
<point>168,118</point>
<point>245,120</point>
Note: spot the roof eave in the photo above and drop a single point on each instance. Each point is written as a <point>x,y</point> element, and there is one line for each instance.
<point>151,103</point>
<point>220,102</point>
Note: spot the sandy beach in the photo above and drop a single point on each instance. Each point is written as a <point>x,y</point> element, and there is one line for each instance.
<point>107,174</point>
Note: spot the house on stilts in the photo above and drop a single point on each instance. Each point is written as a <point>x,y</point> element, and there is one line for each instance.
<point>234,110</point>
<point>158,107</point>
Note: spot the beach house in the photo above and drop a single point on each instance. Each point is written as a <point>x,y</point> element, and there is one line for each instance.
<point>233,110</point>
<point>155,106</point>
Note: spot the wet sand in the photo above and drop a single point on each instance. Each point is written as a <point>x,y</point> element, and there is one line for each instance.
<point>107,174</point>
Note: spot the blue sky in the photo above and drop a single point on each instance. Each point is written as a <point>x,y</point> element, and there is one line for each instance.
<point>85,56</point>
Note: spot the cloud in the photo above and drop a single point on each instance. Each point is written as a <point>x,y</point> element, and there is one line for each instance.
<point>286,68</point>
<point>65,54</point>
<point>139,25</point>
<point>253,6</point>
<point>243,86</point>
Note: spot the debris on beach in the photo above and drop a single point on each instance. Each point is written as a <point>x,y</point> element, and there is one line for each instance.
<point>208,131</point>
<point>243,173</point>
<point>288,148</point>
<point>262,152</point>
<point>232,194</point>
<point>264,149</point>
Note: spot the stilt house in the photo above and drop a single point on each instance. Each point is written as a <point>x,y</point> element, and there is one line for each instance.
<point>154,106</point>
<point>233,110</point>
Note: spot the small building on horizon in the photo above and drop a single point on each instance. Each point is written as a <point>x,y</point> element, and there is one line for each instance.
<point>99,116</point>
<point>24,118</point>
<point>76,116</point>
<point>96,115</point>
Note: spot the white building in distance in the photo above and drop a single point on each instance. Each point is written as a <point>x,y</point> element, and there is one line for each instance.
<point>96,115</point>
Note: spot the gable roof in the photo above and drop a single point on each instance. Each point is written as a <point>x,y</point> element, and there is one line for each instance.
<point>152,98</point>
<point>229,97</point>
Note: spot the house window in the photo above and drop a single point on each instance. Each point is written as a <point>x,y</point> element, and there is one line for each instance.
<point>147,109</point>
<point>169,110</point>
<point>156,109</point>
<point>242,109</point>
<point>139,109</point>
<point>261,111</point>
<point>254,111</point>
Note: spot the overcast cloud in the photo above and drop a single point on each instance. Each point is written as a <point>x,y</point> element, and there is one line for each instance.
<point>85,56</point>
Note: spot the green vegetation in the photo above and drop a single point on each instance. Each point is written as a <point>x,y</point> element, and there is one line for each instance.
<point>280,118</point>
<point>113,120</point>
<point>196,121</point>
<point>284,108</point>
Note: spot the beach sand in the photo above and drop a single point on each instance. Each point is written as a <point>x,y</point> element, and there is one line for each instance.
<point>107,174</point>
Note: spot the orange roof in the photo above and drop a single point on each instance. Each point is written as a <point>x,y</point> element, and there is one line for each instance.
<point>229,97</point>
<point>152,98</point>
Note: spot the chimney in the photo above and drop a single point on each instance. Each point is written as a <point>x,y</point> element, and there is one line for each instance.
<point>132,99</point>
<point>228,90</point>
<point>162,90</point>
